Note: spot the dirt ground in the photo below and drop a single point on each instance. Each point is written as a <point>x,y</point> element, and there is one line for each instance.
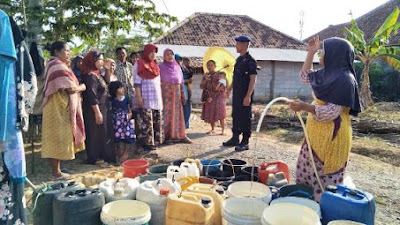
<point>377,177</point>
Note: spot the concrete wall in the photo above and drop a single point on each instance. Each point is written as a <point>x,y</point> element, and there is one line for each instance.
<point>287,82</point>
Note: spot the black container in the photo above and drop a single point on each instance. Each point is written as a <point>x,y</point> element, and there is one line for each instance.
<point>237,165</point>
<point>81,207</point>
<point>177,162</point>
<point>43,213</point>
<point>247,170</point>
<point>221,175</point>
<point>296,190</point>
<point>245,177</point>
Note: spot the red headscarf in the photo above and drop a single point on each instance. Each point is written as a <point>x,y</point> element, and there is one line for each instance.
<point>89,63</point>
<point>148,69</point>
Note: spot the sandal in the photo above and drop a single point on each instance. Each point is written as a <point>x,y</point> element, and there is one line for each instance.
<point>63,176</point>
<point>186,141</point>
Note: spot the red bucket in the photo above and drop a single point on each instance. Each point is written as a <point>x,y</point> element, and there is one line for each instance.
<point>274,167</point>
<point>135,167</point>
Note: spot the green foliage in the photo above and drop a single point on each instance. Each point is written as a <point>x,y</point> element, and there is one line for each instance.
<point>385,82</point>
<point>108,45</point>
<point>91,19</point>
<point>378,48</point>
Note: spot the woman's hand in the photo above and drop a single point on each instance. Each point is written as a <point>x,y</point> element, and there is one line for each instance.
<point>314,45</point>
<point>139,102</point>
<point>296,105</point>
<point>129,116</point>
<point>99,118</point>
<point>246,101</point>
<point>82,87</point>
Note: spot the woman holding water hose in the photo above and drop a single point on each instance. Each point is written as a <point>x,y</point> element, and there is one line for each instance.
<point>335,92</point>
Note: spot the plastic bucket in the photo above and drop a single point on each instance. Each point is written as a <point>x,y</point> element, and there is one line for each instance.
<point>158,170</point>
<point>245,177</point>
<point>248,169</point>
<point>296,190</point>
<point>135,167</point>
<point>239,211</point>
<point>221,175</point>
<point>344,222</point>
<point>177,162</point>
<point>210,165</point>
<point>289,214</point>
<point>237,164</point>
<point>126,212</point>
<point>144,178</point>
<point>248,189</point>
<point>300,201</point>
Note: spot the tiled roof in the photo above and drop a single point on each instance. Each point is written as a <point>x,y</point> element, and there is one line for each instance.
<point>207,29</point>
<point>369,23</point>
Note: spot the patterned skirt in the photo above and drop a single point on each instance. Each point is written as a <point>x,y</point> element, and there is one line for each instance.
<point>305,172</point>
<point>149,127</point>
<point>123,128</point>
<point>174,120</point>
<point>215,110</point>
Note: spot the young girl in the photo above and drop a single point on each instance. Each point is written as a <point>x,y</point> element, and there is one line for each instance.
<point>213,97</point>
<point>122,120</point>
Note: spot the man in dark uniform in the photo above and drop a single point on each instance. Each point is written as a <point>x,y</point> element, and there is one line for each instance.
<point>244,79</point>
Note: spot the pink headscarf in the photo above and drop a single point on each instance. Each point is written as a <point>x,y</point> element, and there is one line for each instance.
<point>171,72</point>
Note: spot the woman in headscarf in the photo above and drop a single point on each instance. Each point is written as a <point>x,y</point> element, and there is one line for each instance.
<point>95,110</point>
<point>63,127</point>
<point>148,100</point>
<point>173,99</point>
<point>335,92</point>
<point>76,66</point>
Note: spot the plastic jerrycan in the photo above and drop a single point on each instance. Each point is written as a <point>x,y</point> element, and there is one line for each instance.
<point>155,194</point>
<point>191,169</point>
<point>216,193</point>
<point>118,189</point>
<point>189,208</point>
<point>175,172</point>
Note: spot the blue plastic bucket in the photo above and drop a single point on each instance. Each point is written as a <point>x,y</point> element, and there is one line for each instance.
<point>210,165</point>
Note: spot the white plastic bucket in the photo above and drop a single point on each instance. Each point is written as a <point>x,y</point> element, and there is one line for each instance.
<point>301,201</point>
<point>248,189</point>
<point>125,212</point>
<point>289,214</point>
<point>344,222</point>
<point>240,211</point>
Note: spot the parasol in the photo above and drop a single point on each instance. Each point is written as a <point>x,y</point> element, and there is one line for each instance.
<point>225,61</point>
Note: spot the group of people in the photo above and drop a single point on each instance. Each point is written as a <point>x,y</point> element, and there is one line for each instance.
<point>104,106</point>
<point>157,96</point>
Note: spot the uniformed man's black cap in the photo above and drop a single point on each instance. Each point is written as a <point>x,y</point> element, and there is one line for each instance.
<point>242,39</point>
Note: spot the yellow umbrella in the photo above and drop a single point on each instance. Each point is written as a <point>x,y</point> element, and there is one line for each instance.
<point>225,61</point>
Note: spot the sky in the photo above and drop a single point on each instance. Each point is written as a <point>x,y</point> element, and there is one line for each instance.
<point>283,15</point>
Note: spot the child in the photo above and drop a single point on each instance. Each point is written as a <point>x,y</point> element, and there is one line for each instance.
<point>220,89</point>
<point>122,121</point>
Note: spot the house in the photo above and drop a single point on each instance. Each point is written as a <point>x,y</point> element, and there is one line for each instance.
<point>279,55</point>
<point>369,23</point>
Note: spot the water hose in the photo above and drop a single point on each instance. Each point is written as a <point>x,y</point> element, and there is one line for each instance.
<point>284,99</point>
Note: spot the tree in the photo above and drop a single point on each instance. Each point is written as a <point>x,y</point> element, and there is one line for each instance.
<point>376,48</point>
<point>90,19</point>
<point>108,45</point>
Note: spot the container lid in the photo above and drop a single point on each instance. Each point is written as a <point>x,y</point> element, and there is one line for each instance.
<point>205,200</point>
<point>165,191</point>
<point>331,188</point>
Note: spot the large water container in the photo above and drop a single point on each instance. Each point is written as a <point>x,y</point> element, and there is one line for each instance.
<point>175,172</point>
<point>248,189</point>
<point>342,203</point>
<point>240,211</point>
<point>191,169</point>
<point>216,193</point>
<point>155,194</point>
<point>124,188</point>
<point>289,214</point>
<point>43,199</point>
<point>189,208</point>
<point>81,207</point>
<point>125,212</point>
